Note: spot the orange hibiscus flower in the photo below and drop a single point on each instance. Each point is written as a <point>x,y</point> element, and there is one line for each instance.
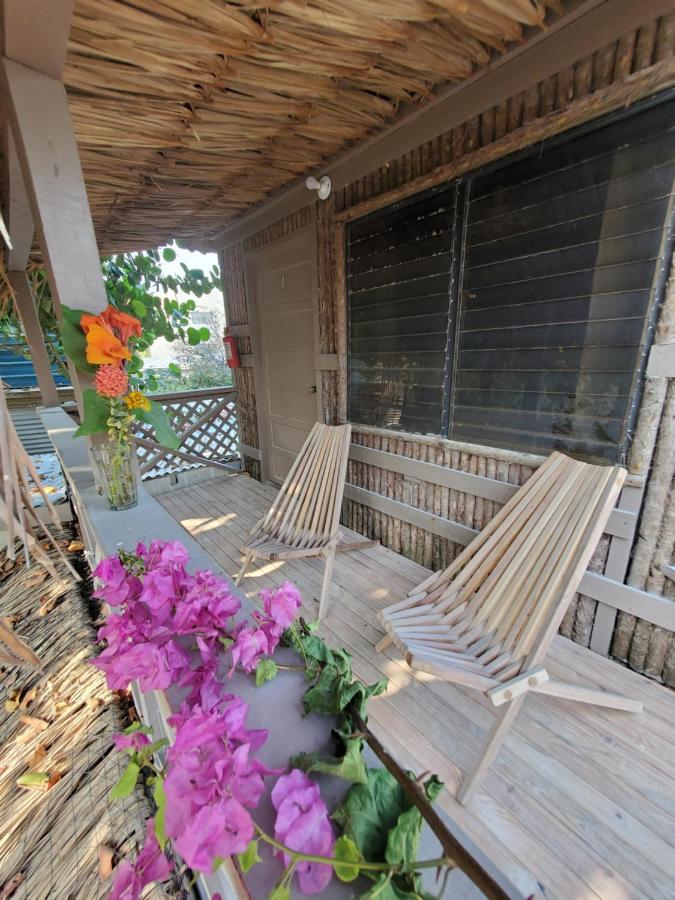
<point>120,323</point>
<point>104,347</point>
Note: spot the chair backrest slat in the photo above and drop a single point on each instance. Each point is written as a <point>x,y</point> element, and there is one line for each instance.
<point>512,584</point>
<point>306,511</point>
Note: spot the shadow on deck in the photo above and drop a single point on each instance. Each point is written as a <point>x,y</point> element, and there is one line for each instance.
<point>581,800</point>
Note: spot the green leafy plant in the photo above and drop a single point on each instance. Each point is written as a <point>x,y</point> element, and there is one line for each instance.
<point>135,284</point>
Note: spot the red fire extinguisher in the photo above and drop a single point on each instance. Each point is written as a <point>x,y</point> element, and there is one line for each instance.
<point>231,349</point>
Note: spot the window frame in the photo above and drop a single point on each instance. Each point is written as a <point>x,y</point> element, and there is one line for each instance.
<point>462,188</point>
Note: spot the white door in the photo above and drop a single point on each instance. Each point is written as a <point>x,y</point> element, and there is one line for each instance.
<point>284,285</point>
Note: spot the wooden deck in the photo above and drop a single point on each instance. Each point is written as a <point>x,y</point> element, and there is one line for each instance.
<point>580,802</point>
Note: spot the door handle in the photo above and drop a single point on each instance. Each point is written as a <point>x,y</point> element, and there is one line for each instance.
<point>312,390</point>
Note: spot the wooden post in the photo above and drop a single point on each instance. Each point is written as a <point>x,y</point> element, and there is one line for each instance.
<point>37,108</point>
<point>27,311</point>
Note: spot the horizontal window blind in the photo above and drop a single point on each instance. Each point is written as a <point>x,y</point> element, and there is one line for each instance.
<point>511,308</point>
<point>562,257</point>
<point>399,272</point>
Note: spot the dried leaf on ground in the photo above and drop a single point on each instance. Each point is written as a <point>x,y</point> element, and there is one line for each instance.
<point>35,580</point>
<point>37,757</point>
<point>16,646</point>
<point>75,547</point>
<point>34,722</point>
<point>28,698</point>
<point>106,854</point>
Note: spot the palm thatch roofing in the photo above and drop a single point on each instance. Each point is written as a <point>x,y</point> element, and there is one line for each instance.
<point>188,113</point>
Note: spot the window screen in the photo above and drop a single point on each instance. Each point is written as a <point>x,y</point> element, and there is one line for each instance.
<point>561,264</point>
<point>552,262</point>
<point>399,270</point>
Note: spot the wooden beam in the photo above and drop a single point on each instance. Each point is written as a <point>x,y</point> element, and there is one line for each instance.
<point>27,311</point>
<point>445,528</point>
<point>622,522</point>
<point>19,215</point>
<point>575,35</point>
<point>35,33</point>
<point>651,607</point>
<point>37,106</point>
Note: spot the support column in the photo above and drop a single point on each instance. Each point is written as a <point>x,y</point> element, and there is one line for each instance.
<point>37,108</point>
<point>27,311</point>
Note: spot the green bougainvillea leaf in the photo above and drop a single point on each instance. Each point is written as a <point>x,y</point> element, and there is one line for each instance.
<point>127,782</point>
<point>351,766</point>
<point>348,854</point>
<point>266,670</point>
<point>249,857</point>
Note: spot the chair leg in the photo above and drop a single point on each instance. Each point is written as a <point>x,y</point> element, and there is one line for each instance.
<point>588,695</point>
<point>495,739</point>
<point>386,641</point>
<point>248,556</point>
<point>327,576</point>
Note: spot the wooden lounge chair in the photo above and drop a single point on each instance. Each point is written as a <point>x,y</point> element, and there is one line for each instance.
<point>305,516</point>
<point>487,621</point>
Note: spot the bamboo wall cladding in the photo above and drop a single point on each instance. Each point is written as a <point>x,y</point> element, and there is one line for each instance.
<point>237,313</point>
<point>428,549</point>
<point>282,228</point>
<point>650,47</point>
<point>645,647</point>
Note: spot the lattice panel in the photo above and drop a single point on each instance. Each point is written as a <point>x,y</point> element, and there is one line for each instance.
<point>206,422</point>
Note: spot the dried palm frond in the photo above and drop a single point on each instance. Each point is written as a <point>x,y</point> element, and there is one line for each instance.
<point>16,509</point>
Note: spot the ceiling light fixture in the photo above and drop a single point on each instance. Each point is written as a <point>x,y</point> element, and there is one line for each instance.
<point>322,185</point>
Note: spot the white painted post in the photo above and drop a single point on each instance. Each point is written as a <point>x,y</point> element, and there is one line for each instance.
<point>33,333</point>
<point>37,108</point>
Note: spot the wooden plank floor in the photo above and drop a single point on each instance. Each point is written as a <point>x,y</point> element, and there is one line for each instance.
<point>581,800</point>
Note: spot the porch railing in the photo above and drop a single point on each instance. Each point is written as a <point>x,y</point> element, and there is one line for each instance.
<point>206,422</point>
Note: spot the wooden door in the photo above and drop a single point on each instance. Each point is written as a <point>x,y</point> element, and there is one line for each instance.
<point>284,286</point>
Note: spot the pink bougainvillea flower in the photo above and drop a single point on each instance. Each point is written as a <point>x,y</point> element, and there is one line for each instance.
<point>117,586</point>
<point>111,381</point>
<point>150,865</point>
<point>302,824</point>
<point>250,645</point>
<point>134,741</point>
<point>218,830</point>
<point>282,605</point>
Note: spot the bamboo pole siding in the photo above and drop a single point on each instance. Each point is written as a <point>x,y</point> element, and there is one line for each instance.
<point>237,313</point>
<point>645,647</point>
<point>636,65</point>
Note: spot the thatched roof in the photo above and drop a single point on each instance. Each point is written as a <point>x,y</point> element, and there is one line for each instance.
<point>187,113</point>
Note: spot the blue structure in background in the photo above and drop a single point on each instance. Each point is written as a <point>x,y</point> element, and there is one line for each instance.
<point>17,371</point>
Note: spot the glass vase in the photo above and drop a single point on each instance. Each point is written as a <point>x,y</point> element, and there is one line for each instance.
<point>116,469</point>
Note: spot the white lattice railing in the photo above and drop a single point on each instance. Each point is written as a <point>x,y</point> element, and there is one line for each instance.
<point>205,421</point>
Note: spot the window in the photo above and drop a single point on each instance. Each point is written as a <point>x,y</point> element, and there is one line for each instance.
<point>511,308</point>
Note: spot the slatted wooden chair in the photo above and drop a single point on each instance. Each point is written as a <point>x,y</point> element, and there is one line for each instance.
<point>487,621</point>
<point>305,516</point>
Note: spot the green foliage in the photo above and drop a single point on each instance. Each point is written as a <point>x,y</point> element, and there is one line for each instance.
<point>73,340</point>
<point>127,782</point>
<point>32,779</point>
<point>280,892</point>
<point>159,796</point>
<point>347,852</point>
<point>136,284</point>
<point>96,413</point>
<point>249,857</point>
<point>386,826</point>
<point>350,766</point>
<point>158,418</point>
<point>266,670</point>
